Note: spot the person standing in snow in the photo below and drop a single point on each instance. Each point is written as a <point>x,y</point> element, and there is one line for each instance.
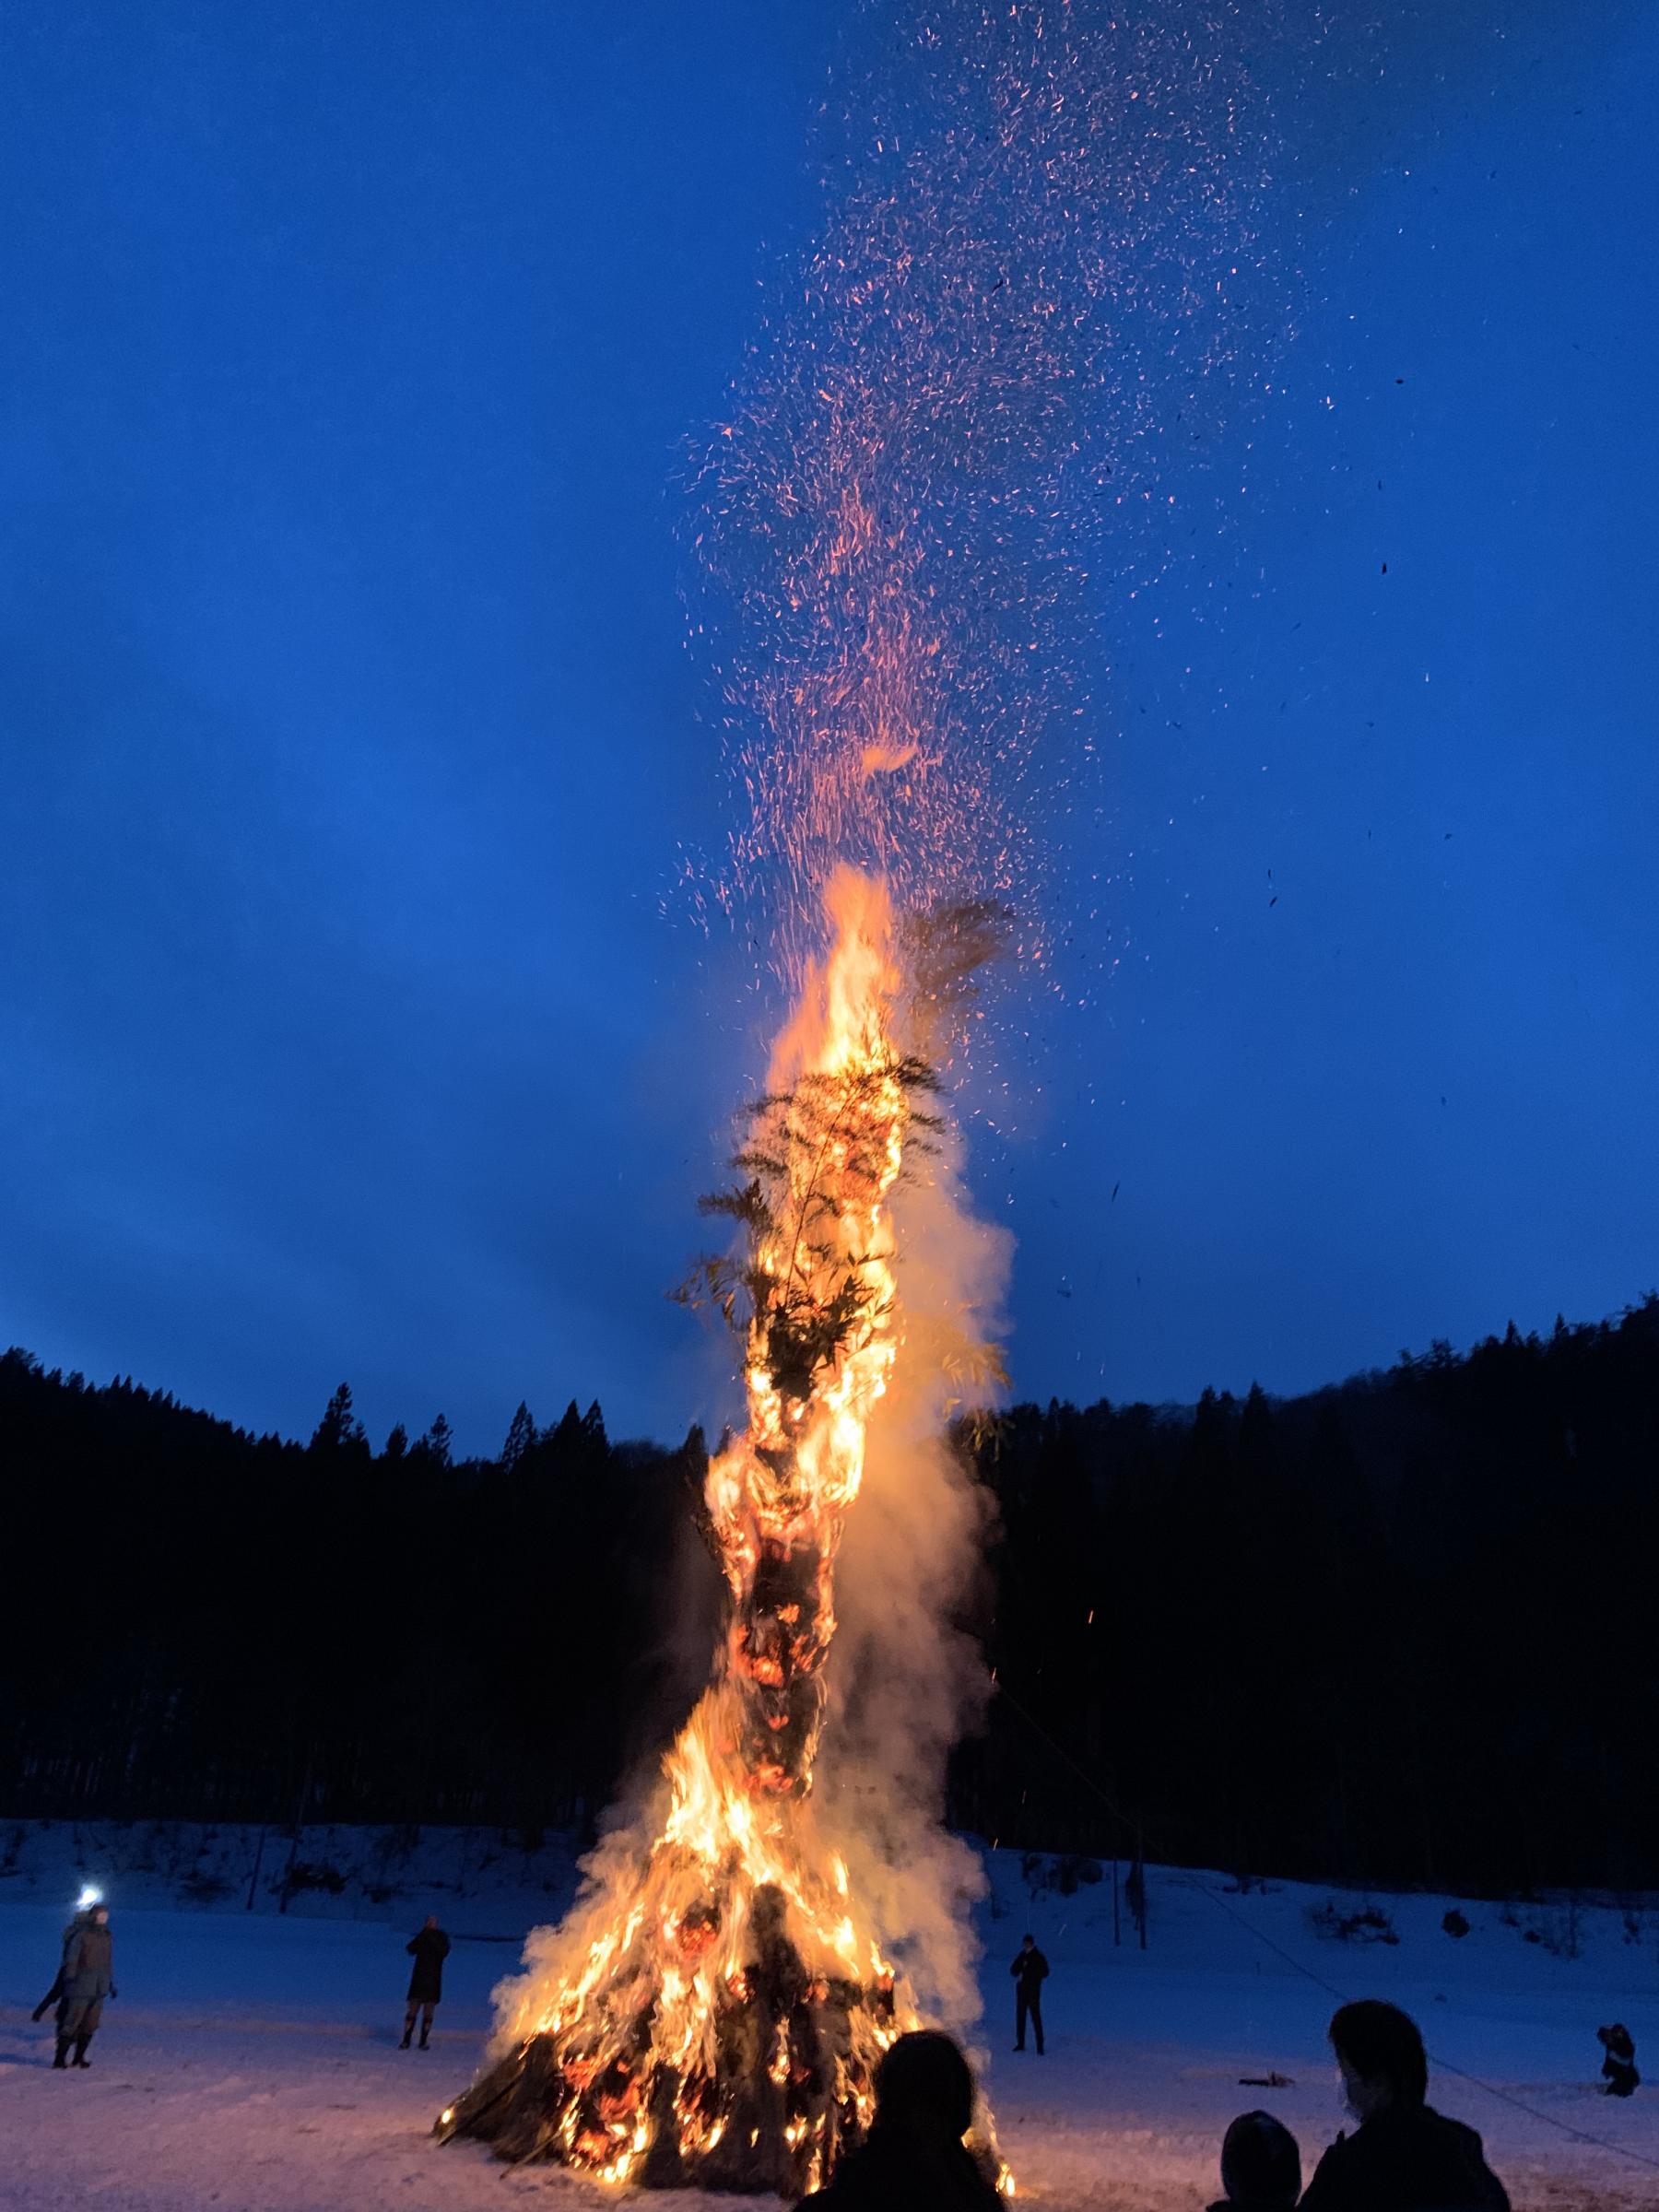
<point>82,1914</point>
<point>1618,2060</point>
<point>1261,2166</point>
<point>88,1978</point>
<point>1403,2157</point>
<point>1029,1971</point>
<point>428,1950</point>
<point>913,2159</point>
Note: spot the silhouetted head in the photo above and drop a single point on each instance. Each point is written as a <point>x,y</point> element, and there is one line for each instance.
<point>432,1920</point>
<point>1616,2038</point>
<point>1028,1942</point>
<point>924,2085</point>
<point>99,1916</point>
<point>1261,2164</point>
<point>1382,2056</point>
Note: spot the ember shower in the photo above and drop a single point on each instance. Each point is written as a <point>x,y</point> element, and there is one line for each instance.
<point>1031,256</point>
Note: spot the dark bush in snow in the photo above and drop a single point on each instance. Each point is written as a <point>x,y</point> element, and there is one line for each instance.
<point>1556,1932</point>
<point>1064,1871</point>
<point>307,1874</point>
<point>1362,1923</point>
<point>204,1889</point>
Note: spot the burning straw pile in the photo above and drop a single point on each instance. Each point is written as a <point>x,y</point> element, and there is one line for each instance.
<point>713,2011</point>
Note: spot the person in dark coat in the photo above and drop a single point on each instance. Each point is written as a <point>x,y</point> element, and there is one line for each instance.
<point>913,2159</point>
<point>1403,2157</point>
<point>87,1980</point>
<point>82,1914</point>
<point>1261,2166</point>
<point>428,1950</point>
<point>1029,1971</point>
<point>1618,2060</point>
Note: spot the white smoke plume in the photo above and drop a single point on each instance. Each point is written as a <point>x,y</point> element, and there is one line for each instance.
<point>907,1683</point>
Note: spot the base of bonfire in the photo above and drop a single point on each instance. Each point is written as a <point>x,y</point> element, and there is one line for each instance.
<point>788,2094</point>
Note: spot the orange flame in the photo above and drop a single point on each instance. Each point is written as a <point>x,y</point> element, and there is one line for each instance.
<point>666,1955</point>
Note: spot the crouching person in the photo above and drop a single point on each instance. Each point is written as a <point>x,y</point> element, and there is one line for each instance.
<point>1403,2154</point>
<point>1620,2078</point>
<point>89,1963</point>
<point>913,2159</point>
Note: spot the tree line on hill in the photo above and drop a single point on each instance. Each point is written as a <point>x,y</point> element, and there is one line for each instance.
<point>1395,1631</point>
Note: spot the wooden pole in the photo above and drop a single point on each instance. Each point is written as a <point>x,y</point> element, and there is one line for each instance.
<point>300,1812</point>
<point>258,1862</point>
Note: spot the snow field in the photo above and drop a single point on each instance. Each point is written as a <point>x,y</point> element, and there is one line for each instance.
<point>251,2061</point>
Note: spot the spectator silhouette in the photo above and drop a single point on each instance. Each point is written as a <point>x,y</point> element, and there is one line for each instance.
<point>1029,1971</point>
<point>429,1949</point>
<point>1618,2060</point>
<point>1261,2166</point>
<point>1403,2157</point>
<point>83,1914</point>
<point>915,2159</point>
<point>88,1978</point>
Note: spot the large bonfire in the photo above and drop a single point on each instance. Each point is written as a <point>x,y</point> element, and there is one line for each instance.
<point>723,2011</point>
<point>1034,259</point>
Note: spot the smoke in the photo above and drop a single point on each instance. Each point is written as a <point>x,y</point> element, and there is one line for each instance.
<point>1042,282</point>
<point>1036,286</point>
<point>907,1682</point>
<point>911,368</point>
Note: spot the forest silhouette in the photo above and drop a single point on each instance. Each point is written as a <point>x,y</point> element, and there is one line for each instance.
<point>1391,1632</point>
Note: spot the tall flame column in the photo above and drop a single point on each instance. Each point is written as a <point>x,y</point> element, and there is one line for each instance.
<point>712,2010</point>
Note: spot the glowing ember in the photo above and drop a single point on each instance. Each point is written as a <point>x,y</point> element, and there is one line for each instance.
<point>1035,248</point>
<point>1033,300</point>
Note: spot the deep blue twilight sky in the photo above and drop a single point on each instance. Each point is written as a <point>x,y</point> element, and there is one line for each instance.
<point>349,742</point>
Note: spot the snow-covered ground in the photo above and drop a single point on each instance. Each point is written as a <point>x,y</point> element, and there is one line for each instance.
<point>251,2060</point>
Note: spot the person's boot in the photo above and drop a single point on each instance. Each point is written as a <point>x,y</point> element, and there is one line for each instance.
<point>80,2051</point>
<point>424,2033</point>
<point>408,2032</point>
<point>63,2052</point>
